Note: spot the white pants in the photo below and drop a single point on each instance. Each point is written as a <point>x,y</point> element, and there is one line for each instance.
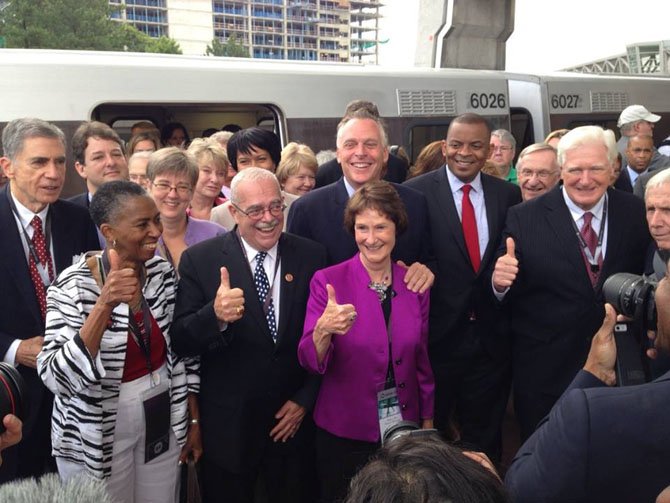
<point>133,481</point>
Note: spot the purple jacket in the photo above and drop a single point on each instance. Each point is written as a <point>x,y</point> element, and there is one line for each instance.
<point>356,363</point>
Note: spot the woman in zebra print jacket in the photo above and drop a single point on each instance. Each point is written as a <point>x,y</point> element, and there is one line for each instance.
<point>120,409</point>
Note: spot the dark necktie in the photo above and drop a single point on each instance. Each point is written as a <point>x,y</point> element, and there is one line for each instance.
<point>470,228</point>
<point>263,290</point>
<point>39,246</point>
<point>591,240</point>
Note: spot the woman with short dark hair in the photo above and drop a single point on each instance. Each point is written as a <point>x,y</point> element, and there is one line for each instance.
<point>366,333</point>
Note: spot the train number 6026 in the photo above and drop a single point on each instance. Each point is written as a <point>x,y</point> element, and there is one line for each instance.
<point>488,100</point>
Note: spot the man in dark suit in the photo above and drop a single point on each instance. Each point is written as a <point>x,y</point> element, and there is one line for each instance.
<point>253,393</point>
<point>331,171</point>
<point>362,148</point>
<point>639,152</point>
<point>467,346</point>
<point>559,250</point>
<point>99,157</point>
<point>33,253</point>
<point>600,443</point>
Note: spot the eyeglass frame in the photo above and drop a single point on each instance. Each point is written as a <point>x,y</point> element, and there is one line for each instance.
<point>166,188</point>
<point>263,210</point>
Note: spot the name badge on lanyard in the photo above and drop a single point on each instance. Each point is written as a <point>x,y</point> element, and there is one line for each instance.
<point>388,409</point>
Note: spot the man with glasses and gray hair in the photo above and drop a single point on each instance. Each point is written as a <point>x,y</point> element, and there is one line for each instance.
<point>503,148</point>
<point>537,170</point>
<point>241,308</point>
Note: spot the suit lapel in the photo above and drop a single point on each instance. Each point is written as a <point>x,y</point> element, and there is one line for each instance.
<point>493,214</point>
<point>558,219</point>
<point>13,255</point>
<point>290,273</point>
<point>615,235</point>
<point>445,199</point>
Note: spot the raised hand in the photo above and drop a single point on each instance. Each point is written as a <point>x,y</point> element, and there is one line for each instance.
<point>229,302</point>
<point>506,269</point>
<point>122,284</point>
<point>336,318</point>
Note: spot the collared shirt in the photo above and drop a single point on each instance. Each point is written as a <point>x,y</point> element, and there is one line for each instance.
<point>633,175</point>
<point>478,203</point>
<point>349,187</point>
<point>269,266</point>
<point>578,216</point>
<point>512,176</point>
<point>23,219</point>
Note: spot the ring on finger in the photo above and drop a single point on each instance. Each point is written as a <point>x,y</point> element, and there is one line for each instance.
<point>353,317</point>
<point>240,310</point>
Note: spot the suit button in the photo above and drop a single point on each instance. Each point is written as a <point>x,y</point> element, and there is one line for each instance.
<point>398,361</point>
<point>401,385</point>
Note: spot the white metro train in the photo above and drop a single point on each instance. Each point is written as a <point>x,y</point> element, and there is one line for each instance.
<point>304,101</point>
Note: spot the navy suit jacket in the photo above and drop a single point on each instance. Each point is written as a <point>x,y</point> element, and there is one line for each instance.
<point>244,376</point>
<point>597,444</point>
<point>459,291</point>
<point>554,308</point>
<point>319,216</point>
<point>331,171</point>
<point>73,233</point>
<point>623,182</point>
<point>81,200</point>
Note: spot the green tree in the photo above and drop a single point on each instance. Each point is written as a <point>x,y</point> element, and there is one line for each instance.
<point>164,45</point>
<point>231,48</point>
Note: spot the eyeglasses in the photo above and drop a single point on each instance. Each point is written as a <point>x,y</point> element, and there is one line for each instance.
<point>138,178</point>
<point>542,174</point>
<point>165,188</point>
<point>501,148</point>
<point>257,212</point>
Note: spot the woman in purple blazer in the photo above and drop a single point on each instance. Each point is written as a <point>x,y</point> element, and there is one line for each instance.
<point>367,334</point>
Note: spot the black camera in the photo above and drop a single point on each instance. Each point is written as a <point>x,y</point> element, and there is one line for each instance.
<point>12,393</point>
<point>632,296</point>
<point>403,429</point>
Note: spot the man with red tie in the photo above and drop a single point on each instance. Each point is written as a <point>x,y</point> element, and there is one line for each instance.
<point>558,251</point>
<point>467,347</point>
<point>40,237</point>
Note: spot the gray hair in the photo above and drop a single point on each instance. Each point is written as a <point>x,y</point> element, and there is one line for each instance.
<point>536,147</point>
<point>657,180</point>
<point>363,114</point>
<point>174,161</point>
<point>18,130</point>
<point>139,155</point>
<point>251,175</point>
<point>505,137</point>
<point>585,135</point>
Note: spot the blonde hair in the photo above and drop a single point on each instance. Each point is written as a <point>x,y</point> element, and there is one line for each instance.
<point>202,148</point>
<point>293,157</point>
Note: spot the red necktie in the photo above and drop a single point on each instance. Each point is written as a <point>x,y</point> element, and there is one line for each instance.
<point>591,240</point>
<point>470,228</point>
<point>40,248</point>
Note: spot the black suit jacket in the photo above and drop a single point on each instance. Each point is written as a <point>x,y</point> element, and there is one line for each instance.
<point>72,233</point>
<point>554,308</point>
<point>319,216</point>
<point>81,200</point>
<point>459,291</point>
<point>245,377</point>
<point>331,171</point>
<point>623,182</point>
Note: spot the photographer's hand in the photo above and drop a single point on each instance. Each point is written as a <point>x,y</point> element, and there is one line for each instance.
<point>13,432</point>
<point>602,355</point>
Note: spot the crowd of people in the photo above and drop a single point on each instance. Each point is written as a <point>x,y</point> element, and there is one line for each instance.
<point>275,319</point>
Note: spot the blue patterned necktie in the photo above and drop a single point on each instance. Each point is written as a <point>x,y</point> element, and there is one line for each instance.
<point>263,290</point>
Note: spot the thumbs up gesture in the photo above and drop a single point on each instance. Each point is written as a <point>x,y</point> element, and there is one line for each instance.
<point>229,302</point>
<point>336,318</point>
<point>506,269</point>
<point>122,284</point>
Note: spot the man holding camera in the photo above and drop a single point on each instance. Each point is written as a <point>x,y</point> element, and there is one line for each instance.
<point>559,250</point>
<point>600,443</point>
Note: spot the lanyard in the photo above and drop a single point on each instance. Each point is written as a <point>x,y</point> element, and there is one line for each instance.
<point>593,259</point>
<point>139,329</point>
<point>42,269</point>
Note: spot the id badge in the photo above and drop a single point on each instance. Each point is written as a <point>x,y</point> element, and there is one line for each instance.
<point>156,404</point>
<point>388,409</point>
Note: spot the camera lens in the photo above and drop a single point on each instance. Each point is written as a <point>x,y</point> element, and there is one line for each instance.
<point>625,292</point>
<point>11,393</point>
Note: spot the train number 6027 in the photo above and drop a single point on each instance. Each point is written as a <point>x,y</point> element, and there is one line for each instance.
<point>488,100</point>
<point>564,100</point>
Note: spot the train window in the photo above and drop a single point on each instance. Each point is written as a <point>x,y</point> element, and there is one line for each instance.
<point>196,117</point>
<point>521,127</point>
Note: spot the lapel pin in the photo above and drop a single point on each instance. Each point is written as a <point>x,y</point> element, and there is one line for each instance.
<point>288,277</point>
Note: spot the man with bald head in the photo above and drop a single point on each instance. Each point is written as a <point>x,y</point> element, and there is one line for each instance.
<point>537,170</point>
<point>639,152</point>
<point>558,250</point>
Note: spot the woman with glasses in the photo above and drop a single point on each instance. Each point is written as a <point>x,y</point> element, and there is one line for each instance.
<point>213,175</point>
<point>173,174</point>
<point>297,169</point>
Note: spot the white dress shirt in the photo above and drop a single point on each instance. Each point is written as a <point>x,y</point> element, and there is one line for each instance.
<point>478,203</point>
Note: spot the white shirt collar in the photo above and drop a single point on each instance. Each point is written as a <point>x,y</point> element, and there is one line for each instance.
<point>252,252</point>
<point>26,216</point>
<point>456,184</point>
<point>578,212</point>
<point>350,189</point>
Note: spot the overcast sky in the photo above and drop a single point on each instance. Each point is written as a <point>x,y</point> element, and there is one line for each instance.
<point>548,34</point>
